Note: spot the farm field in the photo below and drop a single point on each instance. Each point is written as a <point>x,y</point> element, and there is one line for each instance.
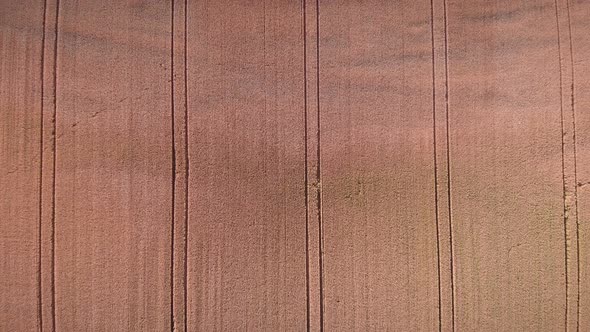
<point>307,165</point>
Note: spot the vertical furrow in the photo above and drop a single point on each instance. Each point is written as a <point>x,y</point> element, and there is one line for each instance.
<point>41,149</point>
<point>435,160</point>
<point>575,161</point>
<point>47,208</point>
<point>186,167</point>
<point>569,166</point>
<point>565,217</point>
<point>173,159</point>
<point>306,177</point>
<point>54,162</point>
<point>312,163</point>
<point>448,150</point>
<point>578,27</point>
<point>180,164</point>
<point>319,168</point>
<point>442,165</point>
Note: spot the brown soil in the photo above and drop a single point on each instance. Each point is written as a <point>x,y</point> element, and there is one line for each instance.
<point>292,165</point>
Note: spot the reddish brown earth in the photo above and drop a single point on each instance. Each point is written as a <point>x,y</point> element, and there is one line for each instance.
<point>295,165</point>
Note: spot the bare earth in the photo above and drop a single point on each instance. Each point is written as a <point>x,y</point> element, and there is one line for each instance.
<point>282,165</point>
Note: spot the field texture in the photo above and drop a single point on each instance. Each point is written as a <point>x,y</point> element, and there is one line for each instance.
<point>295,165</point>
